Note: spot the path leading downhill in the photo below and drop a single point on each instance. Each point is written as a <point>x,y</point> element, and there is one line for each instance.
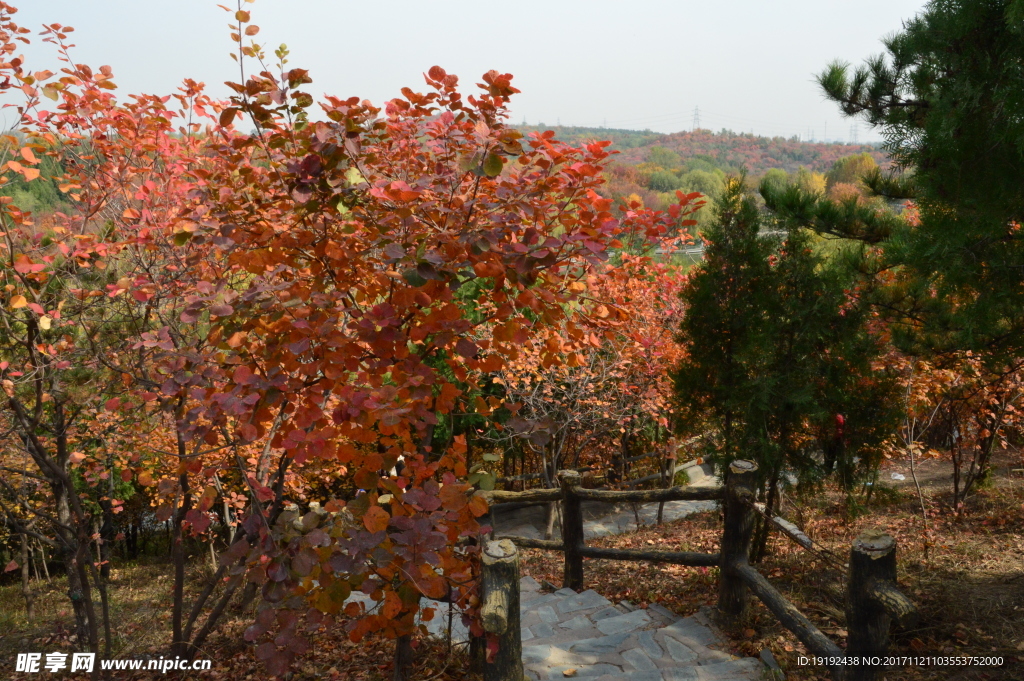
<point>567,634</point>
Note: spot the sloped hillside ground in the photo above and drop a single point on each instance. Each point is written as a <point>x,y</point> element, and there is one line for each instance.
<point>968,583</point>
<point>727,150</point>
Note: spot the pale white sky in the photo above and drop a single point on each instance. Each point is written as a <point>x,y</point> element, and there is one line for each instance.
<point>748,64</point>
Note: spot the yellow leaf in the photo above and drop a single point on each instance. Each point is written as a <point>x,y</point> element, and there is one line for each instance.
<point>44,323</point>
<point>18,301</point>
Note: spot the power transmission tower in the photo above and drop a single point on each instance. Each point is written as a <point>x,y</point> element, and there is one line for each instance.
<point>856,130</point>
<point>696,118</point>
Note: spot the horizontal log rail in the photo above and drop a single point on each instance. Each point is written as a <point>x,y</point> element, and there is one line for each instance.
<point>788,528</point>
<point>874,600</point>
<point>689,558</point>
<point>538,476</point>
<point>649,495</point>
<point>530,495</point>
<point>786,612</point>
<point>531,543</point>
<point>640,457</point>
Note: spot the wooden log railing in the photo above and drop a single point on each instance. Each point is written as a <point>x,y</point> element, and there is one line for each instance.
<point>499,610</point>
<point>874,601</point>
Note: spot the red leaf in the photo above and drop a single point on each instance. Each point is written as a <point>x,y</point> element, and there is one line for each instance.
<point>13,565</point>
<point>376,519</point>
<point>198,520</point>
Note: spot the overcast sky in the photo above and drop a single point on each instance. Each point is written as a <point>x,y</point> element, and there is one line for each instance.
<point>748,65</point>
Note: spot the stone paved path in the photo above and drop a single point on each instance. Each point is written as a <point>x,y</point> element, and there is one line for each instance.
<point>589,637</point>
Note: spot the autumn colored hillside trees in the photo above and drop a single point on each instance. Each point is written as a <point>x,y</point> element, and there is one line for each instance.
<point>234,323</point>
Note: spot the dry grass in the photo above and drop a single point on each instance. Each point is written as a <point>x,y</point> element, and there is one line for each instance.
<point>140,595</point>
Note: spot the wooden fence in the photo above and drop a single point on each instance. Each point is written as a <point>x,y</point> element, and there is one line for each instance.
<point>874,602</point>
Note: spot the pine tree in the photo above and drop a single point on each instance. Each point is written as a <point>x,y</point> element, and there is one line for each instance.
<point>778,356</point>
<point>947,97</point>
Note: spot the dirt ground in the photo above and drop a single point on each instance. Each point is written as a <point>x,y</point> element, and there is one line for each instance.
<point>965,573</point>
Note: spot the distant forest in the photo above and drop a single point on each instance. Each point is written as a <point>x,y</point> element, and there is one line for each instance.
<point>651,167</point>
<point>730,151</point>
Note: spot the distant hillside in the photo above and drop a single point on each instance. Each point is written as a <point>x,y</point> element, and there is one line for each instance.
<point>727,150</point>
<point>620,138</point>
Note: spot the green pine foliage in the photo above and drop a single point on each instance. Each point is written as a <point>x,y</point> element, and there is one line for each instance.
<point>778,354</point>
<point>947,96</point>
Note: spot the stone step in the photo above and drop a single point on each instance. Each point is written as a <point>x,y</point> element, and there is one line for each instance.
<point>589,637</point>
<point>597,640</point>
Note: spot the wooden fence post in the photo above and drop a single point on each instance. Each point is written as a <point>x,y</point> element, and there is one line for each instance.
<point>500,610</point>
<point>740,487</point>
<point>873,601</point>
<point>572,530</point>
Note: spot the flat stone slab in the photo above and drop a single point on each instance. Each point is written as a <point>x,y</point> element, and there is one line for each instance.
<point>547,614</point>
<point>624,623</point>
<point>639,660</point>
<point>679,652</point>
<point>584,671</point>
<point>689,628</point>
<point>664,612</point>
<point>528,583</point>
<point>599,645</point>
<point>680,674</point>
<point>582,601</point>
<point>650,646</point>
<point>634,676</point>
<point>610,611</point>
<point>542,630</point>
<point>578,622</point>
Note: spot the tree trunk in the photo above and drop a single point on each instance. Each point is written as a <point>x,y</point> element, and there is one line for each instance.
<point>42,560</point>
<point>68,549</point>
<point>403,659</point>
<point>26,590</point>
<point>213,555</point>
<point>763,528</point>
<point>178,644</point>
<point>670,470</point>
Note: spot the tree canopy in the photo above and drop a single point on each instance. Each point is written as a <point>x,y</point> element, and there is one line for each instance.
<point>947,95</point>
